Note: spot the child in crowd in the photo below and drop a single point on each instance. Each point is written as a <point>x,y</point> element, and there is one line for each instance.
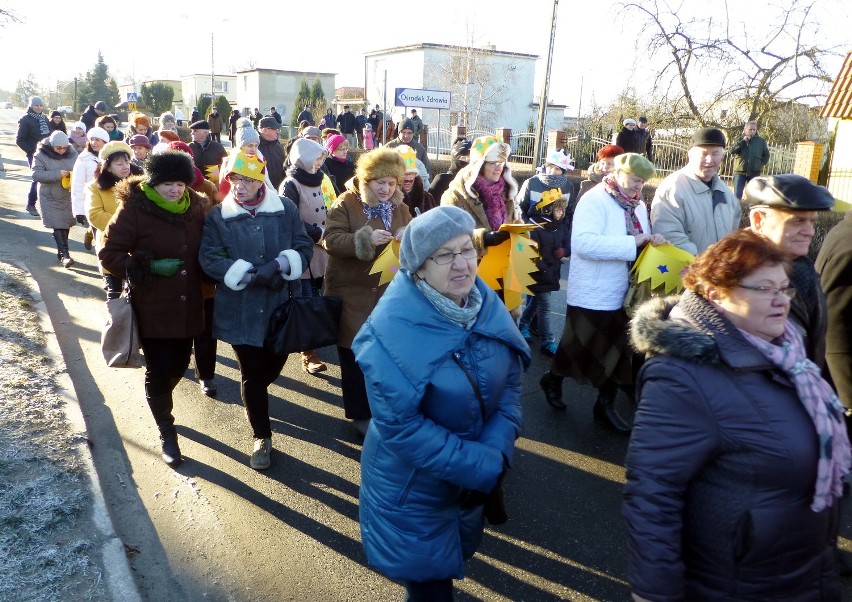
<point>109,124</point>
<point>77,136</point>
<point>141,146</point>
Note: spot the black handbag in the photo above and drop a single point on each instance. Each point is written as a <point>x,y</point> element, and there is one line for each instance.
<point>304,323</point>
<point>494,503</point>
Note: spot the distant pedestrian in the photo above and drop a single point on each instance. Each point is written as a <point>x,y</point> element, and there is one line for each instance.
<point>346,124</point>
<point>751,154</point>
<point>208,153</point>
<point>52,165</point>
<point>646,141</point>
<point>32,128</point>
<point>108,123</point>
<point>92,112</point>
<point>360,122</point>
<point>56,123</point>
<point>77,136</point>
<point>306,115</point>
<point>629,138</point>
<point>256,116</point>
<point>328,120</point>
<point>232,125</point>
<point>195,116</point>
<point>338,164</point>
<point>406,136</point>
<point>82,174</point>
<point>418,124</point>
<point>272,150</point>
<point>273,112</point>
<point>179,116</point>
<point>215,124</point>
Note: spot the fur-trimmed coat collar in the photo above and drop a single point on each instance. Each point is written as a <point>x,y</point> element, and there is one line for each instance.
<point>690,328</point>
<point>128,192</point>
<point>468,174</point>
<point>271,204</point>
<point>366,195</point>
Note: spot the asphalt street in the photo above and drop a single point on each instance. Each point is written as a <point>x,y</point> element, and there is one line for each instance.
<point>214,529</point>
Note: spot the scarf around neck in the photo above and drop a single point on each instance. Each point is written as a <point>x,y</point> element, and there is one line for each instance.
<point>553,180</point>
<point>821,404</point>
<point>179,207</point>
<point>383,211</point>
<point>491,194</point>
<point>625,202</point>
<point>462,316</point>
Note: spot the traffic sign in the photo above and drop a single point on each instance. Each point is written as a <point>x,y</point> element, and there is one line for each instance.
<point>132,97</point>
<point>425,99</point>
<point>131,106</point>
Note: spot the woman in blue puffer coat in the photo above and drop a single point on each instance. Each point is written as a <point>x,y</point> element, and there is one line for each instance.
<point>440,355</point>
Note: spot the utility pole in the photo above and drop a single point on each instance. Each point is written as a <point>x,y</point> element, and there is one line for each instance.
<point>542,101</point>
<point>212,73</point>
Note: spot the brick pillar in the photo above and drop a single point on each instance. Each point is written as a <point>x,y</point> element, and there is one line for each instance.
<point>457,131</point>
<point>808,159</point>
<point>555,140</point>
<point>504,134</point>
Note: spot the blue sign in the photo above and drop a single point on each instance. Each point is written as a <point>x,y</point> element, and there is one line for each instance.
<point>132,97</point>
<point>425,99</point>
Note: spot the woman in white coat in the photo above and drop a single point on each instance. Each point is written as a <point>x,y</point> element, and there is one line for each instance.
<point>610,228</point>
<point>83,173</point>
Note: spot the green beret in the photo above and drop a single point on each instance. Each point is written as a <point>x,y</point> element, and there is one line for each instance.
<point>636,164</point>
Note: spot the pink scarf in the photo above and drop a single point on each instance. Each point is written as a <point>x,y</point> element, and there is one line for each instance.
<point>491,194</point>
<point>823,407</point>
<point>625,202</point>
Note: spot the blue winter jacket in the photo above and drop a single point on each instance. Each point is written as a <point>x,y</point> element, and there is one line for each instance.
<point>232,243</point>
<point>427,440</point>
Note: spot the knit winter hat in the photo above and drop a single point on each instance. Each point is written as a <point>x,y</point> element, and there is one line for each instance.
<point>380,163</point>
<point>269,122</point>
<point>304,152</point>
<point>58,138</point>
<point>428,231</point>
<point>140,119</point>
<point>80,125</point>
<point>140,140</point>
<point>488,148</point>
<point>308,132</point>
<point>635,164</point>
<point>248,167</point>
<point>116,146</point>
<point>181,146</point>
<point>245,133</point>
<point>35,100</point>
<point>170,166</point>
<point>99,133</point>
<point>333,142</point>
<point>708,137</point>
<point>410,158</point>
<point>55,114</point>
<point>100,105</point>
<point>407,125</point>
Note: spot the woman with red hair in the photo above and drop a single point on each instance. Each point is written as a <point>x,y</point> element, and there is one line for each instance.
<point>598,170</point>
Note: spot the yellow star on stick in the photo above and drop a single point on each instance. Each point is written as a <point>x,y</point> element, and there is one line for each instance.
<point>387,263</point>
<point>508,266</point>
<point>662,265</point>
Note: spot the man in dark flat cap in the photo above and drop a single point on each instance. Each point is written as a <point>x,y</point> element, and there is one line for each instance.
<point>693,208</point>
<point>784,209</point>
<point>208,153</point>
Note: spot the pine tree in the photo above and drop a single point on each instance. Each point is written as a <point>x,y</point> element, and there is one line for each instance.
<point>97,85</point>
<point>302,98</point>
<point>317,99</point>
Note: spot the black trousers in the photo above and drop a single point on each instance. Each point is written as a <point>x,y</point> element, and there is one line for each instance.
<point>32,197</point>
<point>113,286</point>
<point>204,346</point>
<point>258,369</point>
<point>439,590</point>
<point>166,360</point>
<point>356,405</point>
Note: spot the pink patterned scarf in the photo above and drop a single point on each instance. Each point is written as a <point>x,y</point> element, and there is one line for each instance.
<point>822,405</point>
<point>493,200</point>
<point>625,202</point>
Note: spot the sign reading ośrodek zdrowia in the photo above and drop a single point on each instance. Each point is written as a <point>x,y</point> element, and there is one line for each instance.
<point>424,99</point>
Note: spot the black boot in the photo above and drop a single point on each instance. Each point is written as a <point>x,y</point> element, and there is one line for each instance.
<point>551,384</point>
<point>606,416</point>
<point>61,237</point>
<point>171,449</point>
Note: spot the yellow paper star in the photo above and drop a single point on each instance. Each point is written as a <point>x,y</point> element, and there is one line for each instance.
<point>662,265</point>
<point>509,266</point>
<point>387,263</point>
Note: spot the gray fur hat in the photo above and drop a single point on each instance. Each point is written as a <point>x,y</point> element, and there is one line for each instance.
<point>428,231</point>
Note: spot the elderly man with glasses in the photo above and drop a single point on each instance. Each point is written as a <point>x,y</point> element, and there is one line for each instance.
<point>693,208</point>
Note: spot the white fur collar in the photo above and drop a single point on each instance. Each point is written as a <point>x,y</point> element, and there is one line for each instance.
<point>271,204</point>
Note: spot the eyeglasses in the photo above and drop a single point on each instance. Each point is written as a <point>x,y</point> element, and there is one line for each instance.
<point>447,258</point>
<point>771,291</point>
<point>495,163</point>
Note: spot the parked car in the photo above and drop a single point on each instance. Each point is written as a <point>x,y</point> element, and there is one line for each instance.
<point>7,105</point>
<point>64,109</point>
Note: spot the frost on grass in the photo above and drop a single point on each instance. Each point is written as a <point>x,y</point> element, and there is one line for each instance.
<point>49,547</point>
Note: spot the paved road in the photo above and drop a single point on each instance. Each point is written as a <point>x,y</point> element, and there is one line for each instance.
<point>216,530</point>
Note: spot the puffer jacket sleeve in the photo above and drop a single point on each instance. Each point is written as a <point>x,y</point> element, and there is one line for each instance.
<point>416,440</point>
<point>504,426</point>
<point>339,238</point>
<point>588,239</point>
<point>81,175</point>
<point>674,437</point>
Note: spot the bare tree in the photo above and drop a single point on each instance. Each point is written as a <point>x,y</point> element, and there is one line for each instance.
<point>7,16</point>
<point>720,72</point>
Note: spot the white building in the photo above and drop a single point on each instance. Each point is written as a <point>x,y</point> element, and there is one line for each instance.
<point>264,88</point>
<point>489,88</point>
<point>197,85</point>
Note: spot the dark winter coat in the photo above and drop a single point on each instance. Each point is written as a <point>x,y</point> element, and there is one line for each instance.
<point>53,198</point>
<point>208,158</point>
<point>89,117</point>
<point>166,307</point>
<point>750,157</point>
<point>273,153</point>
<point>834,264</point>
<point>552,237</point>
<point>346,122</point>
<point>235,241</point>
<point>630,141</point>
<point>808,308</point>
<point>340,173</point>
<point>721,469</point>
<point>32,129</point>
<point>428,439</point>
<point>216,122</point>
<point>418,200</point>
<point>306,115</point>
<point>646,143</point>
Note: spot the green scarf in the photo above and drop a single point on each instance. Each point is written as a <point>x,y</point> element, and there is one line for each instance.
<point>180,206</point>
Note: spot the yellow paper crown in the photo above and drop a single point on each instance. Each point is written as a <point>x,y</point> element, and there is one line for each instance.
<point>489,148</point>
<point>409,156</point>
<point>662,265</point>
<point>248,166</point>
<point>548,197</point>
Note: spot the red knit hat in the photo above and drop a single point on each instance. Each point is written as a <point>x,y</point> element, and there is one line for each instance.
<point>168,135</point>
<point>182,146</point>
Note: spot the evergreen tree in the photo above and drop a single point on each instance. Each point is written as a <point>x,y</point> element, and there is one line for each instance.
<point>157,97</point>
<point>97,85</point>
<point>25,89</point>
<point>302,98</point>
<point>317,99</point>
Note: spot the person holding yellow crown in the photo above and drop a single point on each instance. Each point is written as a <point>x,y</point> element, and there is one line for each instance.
<point>414,192</point>
<point>253,243</point>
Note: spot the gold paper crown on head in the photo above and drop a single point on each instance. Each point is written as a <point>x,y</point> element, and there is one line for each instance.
<point>548,197</point>
<point>248,166</point>
<point>410,158</point>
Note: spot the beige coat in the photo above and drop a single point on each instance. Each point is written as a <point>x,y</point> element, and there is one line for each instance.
<point>351,256</point>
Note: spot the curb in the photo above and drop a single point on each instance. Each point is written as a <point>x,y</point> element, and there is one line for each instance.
<point>118,574</point>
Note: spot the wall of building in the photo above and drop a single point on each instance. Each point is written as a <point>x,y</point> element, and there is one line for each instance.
<point>267,88</point>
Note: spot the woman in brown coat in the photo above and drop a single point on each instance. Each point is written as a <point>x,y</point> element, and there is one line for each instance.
<point>153,239</point>
<point>362,221</point>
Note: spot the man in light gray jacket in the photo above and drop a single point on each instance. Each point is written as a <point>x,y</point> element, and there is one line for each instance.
<point>693,207</point>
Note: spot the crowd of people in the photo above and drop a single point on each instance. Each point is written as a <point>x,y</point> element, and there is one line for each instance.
<point>738,443</point>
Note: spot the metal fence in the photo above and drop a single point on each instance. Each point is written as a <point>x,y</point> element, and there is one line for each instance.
<point>840,184</point>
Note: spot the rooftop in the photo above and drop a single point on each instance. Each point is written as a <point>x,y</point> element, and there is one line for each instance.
<point>839,101</point>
